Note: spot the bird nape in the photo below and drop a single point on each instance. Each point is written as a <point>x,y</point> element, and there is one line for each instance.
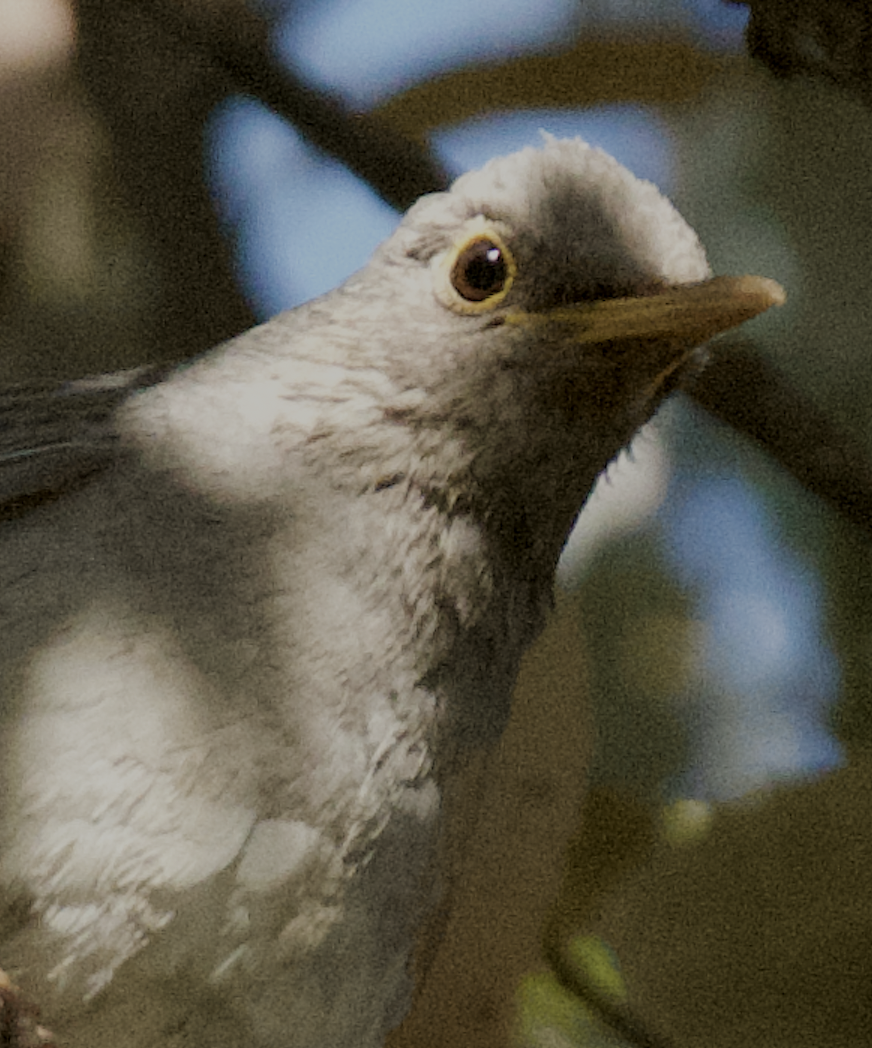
<point>285,592</point>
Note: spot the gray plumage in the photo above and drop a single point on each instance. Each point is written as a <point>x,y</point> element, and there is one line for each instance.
<point>287,590</point>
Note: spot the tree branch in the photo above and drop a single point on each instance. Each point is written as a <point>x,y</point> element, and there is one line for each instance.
<point>742,388</point>
<point>398,168</point>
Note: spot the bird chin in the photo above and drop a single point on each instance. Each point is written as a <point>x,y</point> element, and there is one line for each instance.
<point>680,374</point>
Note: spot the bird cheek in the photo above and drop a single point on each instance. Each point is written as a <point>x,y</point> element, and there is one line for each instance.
<point>592,388</point>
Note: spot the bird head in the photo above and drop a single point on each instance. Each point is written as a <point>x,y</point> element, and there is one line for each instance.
<point>498,350</point>
<point>531,319</point>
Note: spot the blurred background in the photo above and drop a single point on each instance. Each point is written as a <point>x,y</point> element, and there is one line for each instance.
<point>672,845</point>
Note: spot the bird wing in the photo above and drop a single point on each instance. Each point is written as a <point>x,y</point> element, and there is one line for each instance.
<point>179,754</point>
<point>54,436</point>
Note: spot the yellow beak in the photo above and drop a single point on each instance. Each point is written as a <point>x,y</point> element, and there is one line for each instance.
<point>689,314</point>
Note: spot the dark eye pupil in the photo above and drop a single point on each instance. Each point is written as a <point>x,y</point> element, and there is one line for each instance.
<point>480,271</point>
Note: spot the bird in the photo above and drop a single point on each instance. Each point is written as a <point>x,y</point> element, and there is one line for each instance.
<point>259,609</point>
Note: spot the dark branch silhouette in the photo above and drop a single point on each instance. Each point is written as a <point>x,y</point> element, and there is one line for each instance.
<point>742,388</point>
<point>398,168</point>
<point>617,1019</point>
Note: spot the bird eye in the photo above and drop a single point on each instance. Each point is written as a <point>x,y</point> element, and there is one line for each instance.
<point>476,274</point>
<point>480,271</point>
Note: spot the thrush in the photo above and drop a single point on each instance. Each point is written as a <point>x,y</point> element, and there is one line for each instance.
<point>258,611</point>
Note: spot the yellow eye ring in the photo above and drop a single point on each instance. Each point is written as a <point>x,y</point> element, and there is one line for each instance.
<point>475,274</point>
